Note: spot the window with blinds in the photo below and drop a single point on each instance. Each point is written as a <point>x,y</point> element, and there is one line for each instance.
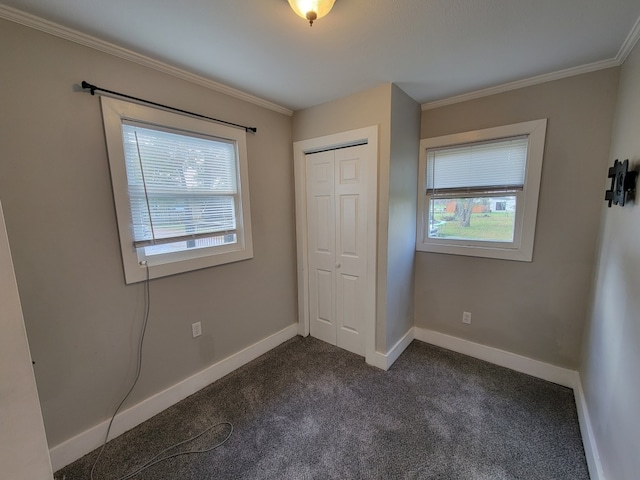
<point>467,186</point>
<point>479,190</point>
<point>485,167</point>
<point>180,187</point>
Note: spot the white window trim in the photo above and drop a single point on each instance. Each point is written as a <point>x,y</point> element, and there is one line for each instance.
<point>114,112</point>
<point>527,201</point>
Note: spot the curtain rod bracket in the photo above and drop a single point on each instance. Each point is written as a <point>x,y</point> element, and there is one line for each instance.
<point>86,85</point>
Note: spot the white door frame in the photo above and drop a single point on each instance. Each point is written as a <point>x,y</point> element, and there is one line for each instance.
<point>368,135</point>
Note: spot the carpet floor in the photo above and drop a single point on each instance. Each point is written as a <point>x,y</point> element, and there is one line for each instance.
<point>308,410</point>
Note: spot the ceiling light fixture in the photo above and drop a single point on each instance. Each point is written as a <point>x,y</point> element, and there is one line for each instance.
<point>311,9</point>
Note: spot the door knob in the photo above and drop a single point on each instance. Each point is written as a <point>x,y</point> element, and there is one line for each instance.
<point>338,265</point>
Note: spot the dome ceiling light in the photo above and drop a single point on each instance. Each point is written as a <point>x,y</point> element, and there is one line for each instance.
<point>311,10</point>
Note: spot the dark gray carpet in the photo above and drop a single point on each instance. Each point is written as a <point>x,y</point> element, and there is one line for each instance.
<point>307,410</point>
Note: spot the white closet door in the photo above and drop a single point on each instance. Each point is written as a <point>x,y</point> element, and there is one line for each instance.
<point>321,234</point>
<point>351,246</point>
<point>337,239</point>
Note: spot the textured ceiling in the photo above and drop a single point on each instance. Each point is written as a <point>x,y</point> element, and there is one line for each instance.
<point>432,49</point>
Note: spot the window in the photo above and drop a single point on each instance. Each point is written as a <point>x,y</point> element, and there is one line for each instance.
<point>180,188</point>
<point>478,191</point>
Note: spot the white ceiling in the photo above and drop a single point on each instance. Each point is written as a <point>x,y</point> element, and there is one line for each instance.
<point>433,49</point>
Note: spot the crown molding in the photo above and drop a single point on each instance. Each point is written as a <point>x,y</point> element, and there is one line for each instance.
<point>525,82</point>
<point>46,26</point>
<point>623,53</point>
<point>629,43</point>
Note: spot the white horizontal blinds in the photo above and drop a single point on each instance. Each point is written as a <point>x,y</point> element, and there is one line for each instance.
<point>181,185</point>
<point>498,165</point>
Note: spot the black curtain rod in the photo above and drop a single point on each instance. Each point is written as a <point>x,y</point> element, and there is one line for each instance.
<point>93,88</point>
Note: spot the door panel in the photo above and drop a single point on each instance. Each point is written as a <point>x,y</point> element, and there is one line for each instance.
<point>324,290</point>
<point>322,241</point>
<point>337,236</point>
<point>324,220</point>
<point>351,259</point>
<point>347,293</point>
<point>349,170</point>
<point>348,239</point>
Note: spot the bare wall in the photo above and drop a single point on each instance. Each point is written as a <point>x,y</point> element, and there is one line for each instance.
<point>533,309</point>
<point>611,352</point>
<point>83,322</point>
<point>403,187</point>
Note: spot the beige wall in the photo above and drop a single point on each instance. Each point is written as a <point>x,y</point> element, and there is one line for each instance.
<point>363,109</point>
<point>405,142</point>
<point>82,320</point>
<point>611,352</point>
<point>533,309</point>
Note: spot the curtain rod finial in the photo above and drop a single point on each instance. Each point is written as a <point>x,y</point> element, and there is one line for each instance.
<point>86,85</point>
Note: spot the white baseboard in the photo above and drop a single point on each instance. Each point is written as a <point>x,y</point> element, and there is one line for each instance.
<point>72,449</point>
<point>535,368</point>
<point>385,360</point>
<point>588,438</point>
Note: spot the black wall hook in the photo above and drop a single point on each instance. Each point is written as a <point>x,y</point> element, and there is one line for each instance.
<point>623,182</point>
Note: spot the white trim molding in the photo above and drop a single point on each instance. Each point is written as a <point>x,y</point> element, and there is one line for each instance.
<point>625,49</point>
<point>46,26</point>
<point>385,360</point>
<point>525,82</point>
<point>72,449</point>
<point>588,437</point>
<point>535,368</point>
<point>629,43</point>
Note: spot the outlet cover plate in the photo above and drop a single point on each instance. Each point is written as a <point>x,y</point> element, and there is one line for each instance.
<point>196,329</point>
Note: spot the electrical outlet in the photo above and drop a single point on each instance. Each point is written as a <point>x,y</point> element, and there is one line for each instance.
<point>196,329</point>
<point>466,318</point>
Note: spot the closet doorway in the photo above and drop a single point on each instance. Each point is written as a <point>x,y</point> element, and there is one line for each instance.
<point>336,183</point>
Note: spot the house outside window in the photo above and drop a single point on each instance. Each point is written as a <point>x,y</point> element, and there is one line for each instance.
<point>478,191</point>
<point>180,188</point>
<point>501,205</point>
